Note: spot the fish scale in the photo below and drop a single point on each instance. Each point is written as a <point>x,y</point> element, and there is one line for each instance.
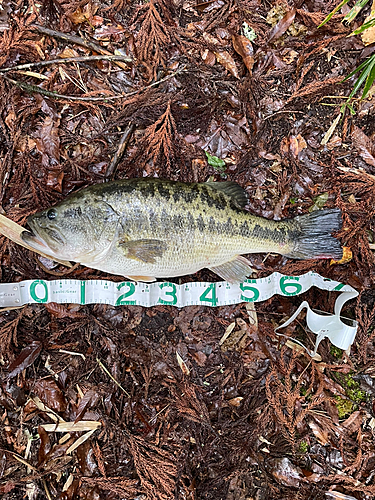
<point>151,228</point>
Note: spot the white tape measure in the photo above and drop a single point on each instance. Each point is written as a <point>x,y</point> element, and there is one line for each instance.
<point>67,291</point>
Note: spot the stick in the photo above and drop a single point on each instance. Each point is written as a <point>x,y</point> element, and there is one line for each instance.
<point>120,151</point>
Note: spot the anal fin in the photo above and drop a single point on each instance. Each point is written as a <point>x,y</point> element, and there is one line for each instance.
<point>234,271</point>
<point>146,279</point>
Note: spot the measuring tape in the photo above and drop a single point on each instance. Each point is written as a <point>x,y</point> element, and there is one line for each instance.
<point>65,291</point>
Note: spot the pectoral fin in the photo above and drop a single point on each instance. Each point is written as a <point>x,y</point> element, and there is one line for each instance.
<point>143,250</point>
<point>234,271</point>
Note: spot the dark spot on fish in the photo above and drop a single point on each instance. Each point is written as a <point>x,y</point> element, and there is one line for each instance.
<point>228,228</point>
<point>164,191</point>
<point>154,220</point>
<point>190,221</point>
<point>245,232</point>
<point>205,197</point>
<point>212,225</point>
<point>148,190</point>
<point>165,221</point>
<point>200,223</point>
<point>178,221</point>
<point>278,234</point>
<point>176,196</point>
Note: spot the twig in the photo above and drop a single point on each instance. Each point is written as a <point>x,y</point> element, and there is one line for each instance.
<point>40,64</point>
<point>74,39</point>
<point>282,111</point>
<point>105,370</point>
<point>120,151</point>
<point>55,95</point>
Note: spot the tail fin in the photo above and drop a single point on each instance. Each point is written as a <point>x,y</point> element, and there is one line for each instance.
<point>315,240</point>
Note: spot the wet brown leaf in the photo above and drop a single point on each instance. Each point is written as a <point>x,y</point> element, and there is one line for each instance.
<point>244,48</point>
<point>285,472</point>
<point>48,142</point>
<point>364,146</point>
<point>45,445</point>
<point>226,60</point>
<point>51,395</point>
<point>26,358</point>
<point>62,311</point>
<point>208,57</point>
<point>282,25</point>
<point>297,144</point>
<point>54,180</point>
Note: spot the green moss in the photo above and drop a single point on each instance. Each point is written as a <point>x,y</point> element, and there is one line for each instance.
<point>303,447</point>
<point>352,389</point>
<point>354,394</point>
<point>345,407</point>
<point>303,391</point>
<point>336,352</point>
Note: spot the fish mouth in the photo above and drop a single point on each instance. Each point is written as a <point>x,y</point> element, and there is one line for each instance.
<point>36,240</point>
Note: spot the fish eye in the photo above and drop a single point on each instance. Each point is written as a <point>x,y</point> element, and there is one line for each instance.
<point>51,214</point>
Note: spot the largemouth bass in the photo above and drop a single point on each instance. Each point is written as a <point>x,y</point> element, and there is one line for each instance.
<point>145,229</point>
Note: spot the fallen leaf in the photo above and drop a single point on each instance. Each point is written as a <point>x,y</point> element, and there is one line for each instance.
<point>184,368</point>
<point>363,145</point>
<point>26,358</point>
<point>244,48</point>
<point>48,142</point>
<point>320,433</point>
<point>83,425</point>
<point>368,36</point>
<point>208,57</point>
<point>50,394</point>
<point>61,311</point>
<point>297,144</point>
<point>235,401</point>
<point>282,25</point>
<point>347,256</point>
<point>54,180</point>
<point>285,472</point>
<point>226,60</point>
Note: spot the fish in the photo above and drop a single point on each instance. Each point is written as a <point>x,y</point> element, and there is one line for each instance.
<point>149,228</point>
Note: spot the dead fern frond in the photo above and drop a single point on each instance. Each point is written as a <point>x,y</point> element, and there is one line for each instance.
<point>152,38</point>
<point>158,141</point>
<point>190,406</point>
<point>8,333</point>
<point>286,399</point>
<point>365,315</point>
<point>156,468</point>
<point>118,485</point>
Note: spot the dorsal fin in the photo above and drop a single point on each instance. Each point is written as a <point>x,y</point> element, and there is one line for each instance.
<point>231,189</point>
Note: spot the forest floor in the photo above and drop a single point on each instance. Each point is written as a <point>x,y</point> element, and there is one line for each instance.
<point>254,417</point>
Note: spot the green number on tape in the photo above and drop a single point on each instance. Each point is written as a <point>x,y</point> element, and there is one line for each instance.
<point>209,295</point>
<point>33,294</point>
<point>170,293</point>
<point>338,287</point>
<point>82,292</point>
<point>121,300</point>
<point>285,283</point>
<point>246,288</point>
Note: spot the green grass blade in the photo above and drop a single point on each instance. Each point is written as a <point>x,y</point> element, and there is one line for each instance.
<point>364,27</point>
<point>362,77</point>
<point>361,66</point>
<point>352,14</point>
<point>331,14</point>
<point>370,78</point>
